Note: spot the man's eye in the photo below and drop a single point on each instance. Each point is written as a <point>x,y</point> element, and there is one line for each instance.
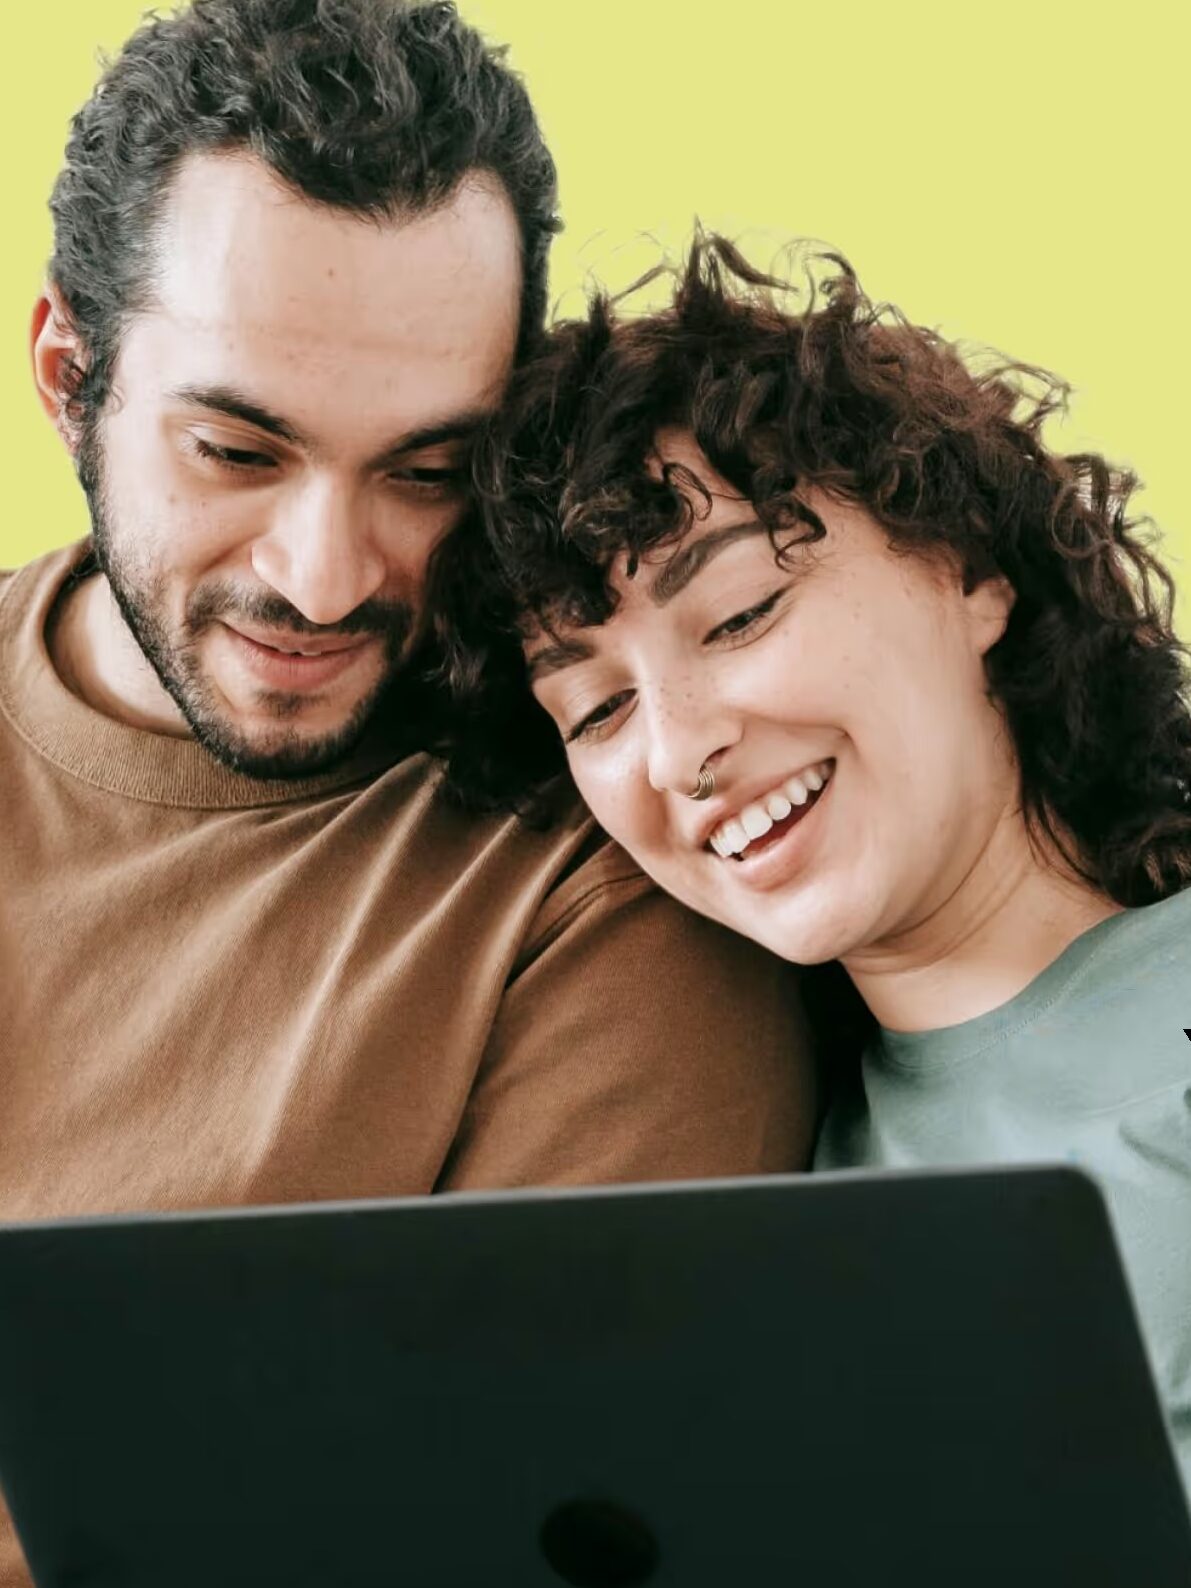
<point>430,481</point>
<point>742,622</point>
<point>234,458</point>
<point>603,714</point>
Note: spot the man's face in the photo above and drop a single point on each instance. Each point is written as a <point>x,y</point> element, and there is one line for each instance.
<point>284,448</point>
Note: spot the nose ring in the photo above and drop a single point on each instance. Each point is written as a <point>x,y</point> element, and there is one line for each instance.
<point>705,787</point>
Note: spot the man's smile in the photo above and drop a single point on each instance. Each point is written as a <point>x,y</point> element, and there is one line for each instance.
<point>297,662</point>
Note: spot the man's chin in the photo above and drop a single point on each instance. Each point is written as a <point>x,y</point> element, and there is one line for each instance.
<point>271,756</point>
<point>280,735</point>
<point>282,746</point>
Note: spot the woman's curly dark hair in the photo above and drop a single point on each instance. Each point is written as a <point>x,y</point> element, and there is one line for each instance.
<point>945,451</point>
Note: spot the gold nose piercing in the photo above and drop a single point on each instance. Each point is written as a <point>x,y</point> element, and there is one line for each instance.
<point>705,787</point>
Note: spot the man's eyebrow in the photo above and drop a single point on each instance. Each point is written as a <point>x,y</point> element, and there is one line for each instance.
<point>690,560</point>
<point>460,427</point>
<point>226,400</point>
<point>553,658</point>
<point>237,405</point>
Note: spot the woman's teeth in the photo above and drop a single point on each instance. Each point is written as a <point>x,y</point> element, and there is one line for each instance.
<point>754,821</point>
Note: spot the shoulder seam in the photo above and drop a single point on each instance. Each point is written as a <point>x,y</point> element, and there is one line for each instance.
<point>552,919</point>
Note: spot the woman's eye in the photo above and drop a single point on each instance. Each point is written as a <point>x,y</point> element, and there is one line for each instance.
<point>597,719</point>
<point>232,457</point>
<point>742,622</point>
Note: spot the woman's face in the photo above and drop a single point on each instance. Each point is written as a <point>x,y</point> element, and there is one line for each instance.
<point>840,700</point>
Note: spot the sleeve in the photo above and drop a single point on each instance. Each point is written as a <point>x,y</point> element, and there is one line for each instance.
<point>638,1041</point>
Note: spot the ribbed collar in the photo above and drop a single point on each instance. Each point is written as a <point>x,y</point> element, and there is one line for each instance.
<point>156,768</point>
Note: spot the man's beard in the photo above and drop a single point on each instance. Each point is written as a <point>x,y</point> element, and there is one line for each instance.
<point>141,597</point>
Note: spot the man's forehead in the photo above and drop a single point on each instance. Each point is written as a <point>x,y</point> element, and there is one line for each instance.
<point>241,254</point>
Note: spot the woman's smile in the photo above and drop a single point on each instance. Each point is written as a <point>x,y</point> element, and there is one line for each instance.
<point>763,821</point>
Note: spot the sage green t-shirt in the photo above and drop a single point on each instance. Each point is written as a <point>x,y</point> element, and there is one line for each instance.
<point>1090,1064</point>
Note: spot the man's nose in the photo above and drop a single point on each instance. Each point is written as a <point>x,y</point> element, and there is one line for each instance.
<point>319,553</point>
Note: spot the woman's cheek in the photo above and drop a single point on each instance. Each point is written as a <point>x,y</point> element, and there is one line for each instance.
<point>615,801</point>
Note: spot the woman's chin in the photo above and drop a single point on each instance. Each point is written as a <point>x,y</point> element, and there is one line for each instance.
<point>799,927</point>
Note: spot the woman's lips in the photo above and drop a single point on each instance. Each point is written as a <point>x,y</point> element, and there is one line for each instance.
<point>780,806</point>
<point>779,854</point>
<point>779,829</point>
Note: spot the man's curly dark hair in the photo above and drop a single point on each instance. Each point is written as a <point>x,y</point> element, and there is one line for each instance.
<point>946,453</point>
<point>379,107</point>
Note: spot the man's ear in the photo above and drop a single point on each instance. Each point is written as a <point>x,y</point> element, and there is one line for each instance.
<point>57,353</point>
<point>988,605</point>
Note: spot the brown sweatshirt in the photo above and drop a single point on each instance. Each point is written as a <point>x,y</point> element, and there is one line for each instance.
<point>218,991</point>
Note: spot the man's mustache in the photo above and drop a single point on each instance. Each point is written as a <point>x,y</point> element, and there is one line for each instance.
<point>391,620</point>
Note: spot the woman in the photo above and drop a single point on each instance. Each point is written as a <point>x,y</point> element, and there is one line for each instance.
<point>847,659</point>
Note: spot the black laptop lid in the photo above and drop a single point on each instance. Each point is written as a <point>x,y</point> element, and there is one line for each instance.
<point>832,1381</point>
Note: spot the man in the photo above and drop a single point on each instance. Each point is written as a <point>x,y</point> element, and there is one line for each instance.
<point>249,951</point>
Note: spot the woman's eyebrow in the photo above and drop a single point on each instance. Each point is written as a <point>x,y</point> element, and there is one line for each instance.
<point>674,576</point>
<point>690,560</point>
<point>553,658</point>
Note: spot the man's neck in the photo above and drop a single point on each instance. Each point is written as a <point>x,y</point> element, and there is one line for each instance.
<point>97,658</point>
<point>1010,918</point>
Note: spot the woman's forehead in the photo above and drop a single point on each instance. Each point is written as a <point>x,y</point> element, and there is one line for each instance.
<point>677,449</point>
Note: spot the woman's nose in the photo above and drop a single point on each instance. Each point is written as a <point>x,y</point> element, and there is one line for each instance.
<point>685,733</point>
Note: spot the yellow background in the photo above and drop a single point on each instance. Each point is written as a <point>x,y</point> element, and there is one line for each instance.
<point>1011,172</point>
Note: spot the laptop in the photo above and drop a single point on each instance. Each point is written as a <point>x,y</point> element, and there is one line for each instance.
<point>826,1382</point>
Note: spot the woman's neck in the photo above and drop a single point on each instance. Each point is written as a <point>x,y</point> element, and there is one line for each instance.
<point>1010,917</point>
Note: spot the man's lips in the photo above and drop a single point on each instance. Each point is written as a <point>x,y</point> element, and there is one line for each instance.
<point>297,663</point>
<point>292,644</point>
